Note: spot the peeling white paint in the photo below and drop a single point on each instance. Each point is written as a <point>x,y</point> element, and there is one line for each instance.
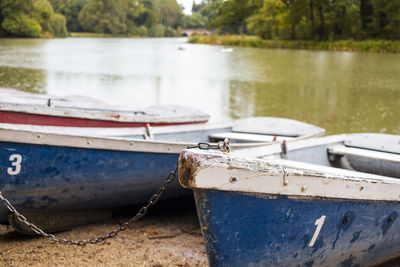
<point>214,171</point>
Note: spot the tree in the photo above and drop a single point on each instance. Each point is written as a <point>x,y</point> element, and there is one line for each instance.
<point>366,16</point>
<point>103,16</point>
<point>70,9</point>
<point>58,25</point>
<point>267,20</point>
<point>386,22</point>
<point>197,21</point>
<point>28,18</point>
<point>42,12</point>
<point>122,16</point>
<point>21,25</point>
<point>170,13</point>
<point>231,15</point>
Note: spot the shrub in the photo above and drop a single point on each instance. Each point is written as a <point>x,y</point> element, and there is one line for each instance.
<point>21,25</point>
<point>58,25</point>
<point>157,30</point>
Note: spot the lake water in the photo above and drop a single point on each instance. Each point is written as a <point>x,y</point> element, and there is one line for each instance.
<point>339,91</point>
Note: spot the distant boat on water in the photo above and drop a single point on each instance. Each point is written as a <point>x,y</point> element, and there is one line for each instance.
<point>81,111</point>
<point>227,50</point>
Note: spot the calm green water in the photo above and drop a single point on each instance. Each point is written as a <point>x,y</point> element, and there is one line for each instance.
<point>340,91</point>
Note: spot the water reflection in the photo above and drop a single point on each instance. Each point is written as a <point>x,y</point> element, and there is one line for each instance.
<point>336,110</point>
<point>342,92</point>
<point>29,80</point>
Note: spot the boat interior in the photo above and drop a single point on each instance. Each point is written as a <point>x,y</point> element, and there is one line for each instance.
<point>370,153</point>
<point>251,130</point>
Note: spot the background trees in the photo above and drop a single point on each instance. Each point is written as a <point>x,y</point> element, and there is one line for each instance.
<point>270,19</point>
<point>310,19</point>
<point>36,18</point>
<point>71,10</point>
<point>30,18</point>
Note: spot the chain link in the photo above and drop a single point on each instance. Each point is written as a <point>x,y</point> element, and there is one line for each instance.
<point>153,200</point>
<point>223,146</point>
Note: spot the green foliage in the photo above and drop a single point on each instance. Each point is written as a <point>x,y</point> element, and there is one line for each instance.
<point>21,25</point>
<point>131,17</point>
<point>196,20</point>
<point>228,40</point>
<point>157,30</point>
<point>30,18</point>
<point>169,13</point>
<point>380,46</point>
<point>309,19</point>
<point>58,25</point>
<point>103,16</point>
<point>169,32</point>
<point>231,15</point>
<point>267,20</point>
<point>42,12</point>
<point>49,18</point>
<point>70,9</point>
<point>202,14</point>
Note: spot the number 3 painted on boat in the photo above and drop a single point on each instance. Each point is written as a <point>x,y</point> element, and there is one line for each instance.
<point>319,222</point>
<point>16,160</point>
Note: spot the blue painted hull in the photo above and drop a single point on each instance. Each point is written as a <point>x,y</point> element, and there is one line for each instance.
<point>252,230</point>
<point>53,177</point>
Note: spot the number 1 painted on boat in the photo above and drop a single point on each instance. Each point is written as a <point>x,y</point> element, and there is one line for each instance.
<point>319,222</point>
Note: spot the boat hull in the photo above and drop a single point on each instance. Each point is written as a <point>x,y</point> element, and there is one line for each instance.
<point>244,229</point>
<point>55,177</point>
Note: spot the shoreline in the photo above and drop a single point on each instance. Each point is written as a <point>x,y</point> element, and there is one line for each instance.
<point>169,235</point>
<point>372,46</point>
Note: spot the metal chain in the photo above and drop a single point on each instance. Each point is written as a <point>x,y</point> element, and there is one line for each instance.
<point>153,200</point>
<point>223,146</point>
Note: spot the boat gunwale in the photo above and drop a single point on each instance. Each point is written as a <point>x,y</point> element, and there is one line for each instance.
<point>199,170</point>
<point>84,137</point>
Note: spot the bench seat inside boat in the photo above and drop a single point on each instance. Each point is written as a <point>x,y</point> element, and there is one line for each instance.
<point>366,160</point>
<point>342,150</point>
<point>236,137</point>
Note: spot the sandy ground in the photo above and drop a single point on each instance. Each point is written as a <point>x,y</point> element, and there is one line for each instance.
<point>168,236</point>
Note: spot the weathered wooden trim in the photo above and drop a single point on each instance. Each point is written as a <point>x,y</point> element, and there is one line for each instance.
<point>115,132</point>
<point>107,143</point>
<point>217,171</point>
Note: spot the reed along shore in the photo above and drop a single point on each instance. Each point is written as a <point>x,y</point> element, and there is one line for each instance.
<point>376,46</point>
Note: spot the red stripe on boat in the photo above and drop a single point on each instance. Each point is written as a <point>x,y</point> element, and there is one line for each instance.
<point>45,120</point>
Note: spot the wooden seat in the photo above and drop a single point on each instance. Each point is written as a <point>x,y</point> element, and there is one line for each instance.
<point>342,150</point>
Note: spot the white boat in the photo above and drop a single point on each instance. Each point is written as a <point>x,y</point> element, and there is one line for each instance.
<point>80,111</point>
<point>227,50</point>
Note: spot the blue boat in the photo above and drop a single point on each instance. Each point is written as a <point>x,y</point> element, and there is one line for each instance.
<point>48,168</point>
<point>299,205</point>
